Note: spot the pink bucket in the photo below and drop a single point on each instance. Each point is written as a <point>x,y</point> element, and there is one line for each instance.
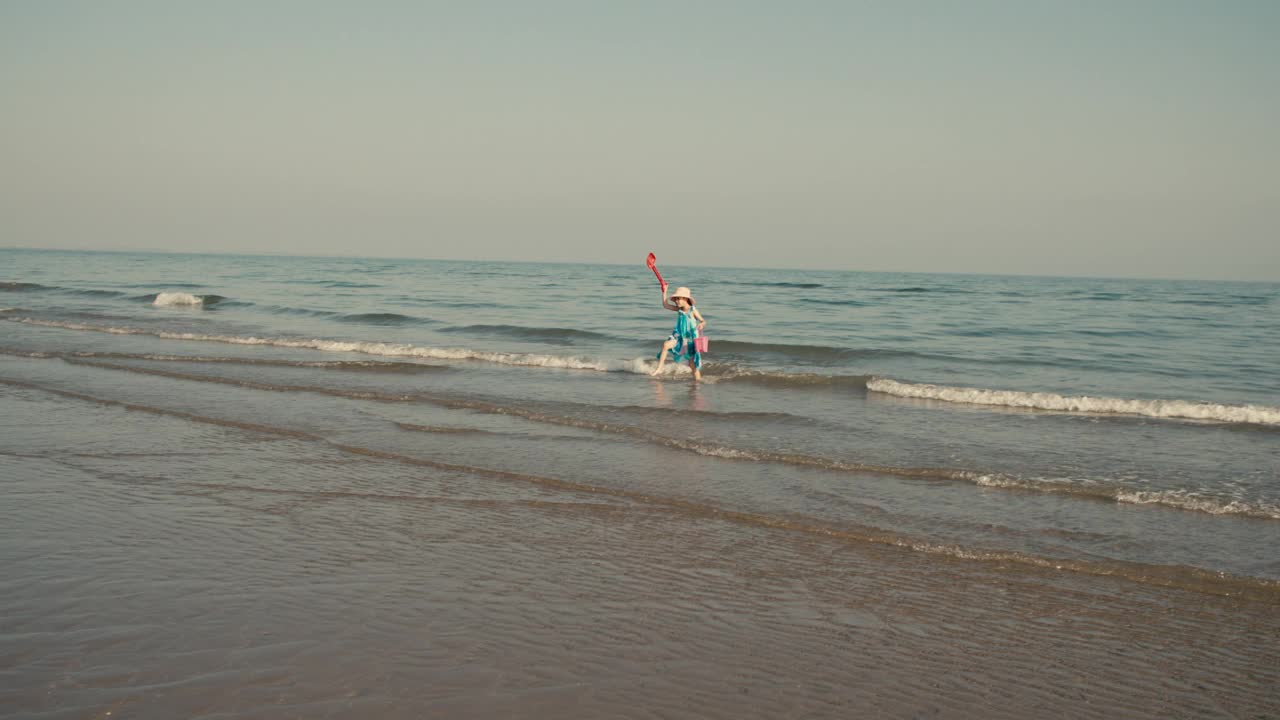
<point>700,344</point>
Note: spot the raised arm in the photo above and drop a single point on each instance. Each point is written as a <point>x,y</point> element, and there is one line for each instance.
<point>665,304</point>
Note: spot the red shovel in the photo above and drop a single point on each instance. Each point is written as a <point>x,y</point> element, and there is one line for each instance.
<point>652,262</point>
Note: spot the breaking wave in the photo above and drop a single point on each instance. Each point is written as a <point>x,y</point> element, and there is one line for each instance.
<point>637,365</point>
<point>1096,490</point>
<point>1164,409</point>
<point>1200,503</point>
<point>182,299</point>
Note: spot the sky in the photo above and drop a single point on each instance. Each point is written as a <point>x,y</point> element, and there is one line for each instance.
<point>1095,138</point>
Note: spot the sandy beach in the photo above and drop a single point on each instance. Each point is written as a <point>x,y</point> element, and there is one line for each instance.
<point>222,569</point>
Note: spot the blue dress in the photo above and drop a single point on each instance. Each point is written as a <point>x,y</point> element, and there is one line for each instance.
<point>685,331</point>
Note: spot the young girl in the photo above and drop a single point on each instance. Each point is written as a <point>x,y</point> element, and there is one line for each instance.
<point>689,325</point>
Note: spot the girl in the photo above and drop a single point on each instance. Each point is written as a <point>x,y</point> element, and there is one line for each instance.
<point>689,324</point>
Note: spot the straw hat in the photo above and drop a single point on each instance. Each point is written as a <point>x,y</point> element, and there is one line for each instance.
<point>682,292</point>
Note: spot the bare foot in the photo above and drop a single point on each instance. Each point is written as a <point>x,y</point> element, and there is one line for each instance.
<point>655,372</point>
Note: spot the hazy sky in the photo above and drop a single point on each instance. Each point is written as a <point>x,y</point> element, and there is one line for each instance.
<point>1075,137</point>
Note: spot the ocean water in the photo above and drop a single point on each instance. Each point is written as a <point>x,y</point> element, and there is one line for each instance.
<point>1099,426</point>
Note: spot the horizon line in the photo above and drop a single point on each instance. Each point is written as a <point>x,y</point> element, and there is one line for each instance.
<point>322,256</point>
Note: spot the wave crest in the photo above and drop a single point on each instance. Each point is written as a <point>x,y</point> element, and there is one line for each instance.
<point>383,318</point>
<point>792,285</point>
<point>637,366</point>
<point>1165,409</point>
<point>1105,490</point>
<point>1199,503</point>
<point>182,299</point>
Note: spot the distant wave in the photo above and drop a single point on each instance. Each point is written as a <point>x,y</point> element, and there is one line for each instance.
<point>912,289</point>
<point>839,303</point>
<point>33,287</point>
<point>1104,296</point>
<point>796,285</point>
<point>461,304</point>
<point>1193,299</point>
<point>167,298</point>
<point>553,335</point>
<point>92,293</point>
<point>383,319</point>
<point>1176,409</point>
<point>377,366</point>
<point>1147,333</point>
<point>178,285</point>
<point>331,283</point>
<point>1232,301</point>
<point>170,298</point>
<point>288,310</point>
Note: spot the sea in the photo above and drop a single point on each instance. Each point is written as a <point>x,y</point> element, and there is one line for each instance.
<point>1102,421</point>
<point>1126,429</point>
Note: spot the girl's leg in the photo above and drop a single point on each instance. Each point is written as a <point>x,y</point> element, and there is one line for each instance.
<point>662,357</point>
<point>693,365</point>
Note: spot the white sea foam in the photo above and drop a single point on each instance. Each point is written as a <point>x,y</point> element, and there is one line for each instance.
<point>636,365</point>
<point>171,299</point>
<point>1109,490</point>
<point>1180,409</point>
<point>1191,501</point>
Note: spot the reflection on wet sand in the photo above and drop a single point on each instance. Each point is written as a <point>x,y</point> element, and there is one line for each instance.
<point>696,400</point>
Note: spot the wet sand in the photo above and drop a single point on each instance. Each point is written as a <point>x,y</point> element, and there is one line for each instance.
<point>155,566</point>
